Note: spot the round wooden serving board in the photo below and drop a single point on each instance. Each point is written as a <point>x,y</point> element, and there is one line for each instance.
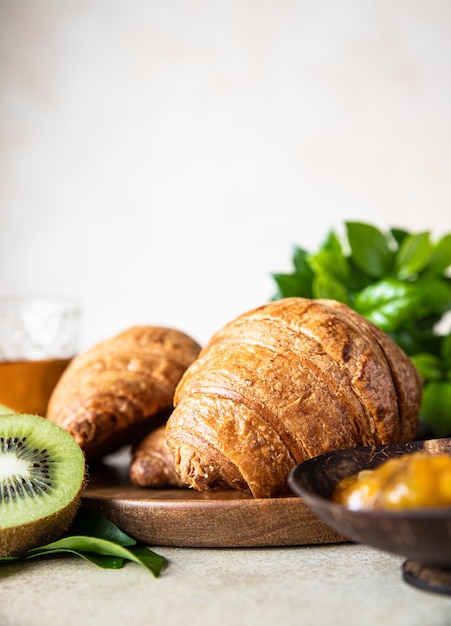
<point>187,518</point>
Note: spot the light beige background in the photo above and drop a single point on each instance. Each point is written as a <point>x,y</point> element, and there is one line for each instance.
<point>159,159</point>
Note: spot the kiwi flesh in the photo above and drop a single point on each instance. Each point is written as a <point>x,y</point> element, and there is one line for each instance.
<point>42,474</point>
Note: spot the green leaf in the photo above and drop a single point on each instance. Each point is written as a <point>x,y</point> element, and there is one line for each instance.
<point>429,366</point>
<point>90,523</point>
<point>154,562</point>
<point>433,296</point>
<point>358,280</point>
<point>330,260</point>
<point>445,351</point>
<point>441,257</point>
<point>290,285</point>
<point>413,339</point>
<point>104,561</point>
<point>398,234</point>
<point>391,303</point>
<point>300,263</point>
<point>326,286</point>
<point>106,546</point>
<point>91,547</point>
<point>386,303</point>
<point>413,255</point>
<point>436,407</point>
<point>5,410</point>
<point>325,262</point>
<point>370,249</point>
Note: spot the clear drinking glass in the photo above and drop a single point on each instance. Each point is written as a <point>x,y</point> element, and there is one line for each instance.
<point>38,338</point>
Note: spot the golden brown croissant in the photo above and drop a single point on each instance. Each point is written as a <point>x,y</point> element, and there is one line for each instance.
<point>153,463</point>
<point>285,382</point>
<point>111,394</point>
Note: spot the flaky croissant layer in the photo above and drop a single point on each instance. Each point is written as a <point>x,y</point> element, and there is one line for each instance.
<point>285,382</point>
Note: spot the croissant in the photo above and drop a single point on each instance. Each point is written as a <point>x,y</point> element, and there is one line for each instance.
<point>285,382</point>
<point>152,462</point>
<point>116,391</point>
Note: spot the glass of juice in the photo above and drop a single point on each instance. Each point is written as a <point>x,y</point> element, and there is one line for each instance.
<point>38,338</point>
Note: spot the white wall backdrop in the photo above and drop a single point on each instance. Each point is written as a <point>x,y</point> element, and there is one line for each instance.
<point>160,158</point>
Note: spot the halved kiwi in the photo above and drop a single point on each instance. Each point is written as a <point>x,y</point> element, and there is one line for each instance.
<point>42,473</point>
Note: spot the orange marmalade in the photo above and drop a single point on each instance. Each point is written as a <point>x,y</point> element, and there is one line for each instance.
<point>414,480</point>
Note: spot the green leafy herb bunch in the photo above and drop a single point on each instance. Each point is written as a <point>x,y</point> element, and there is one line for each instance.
<point>400,281</point>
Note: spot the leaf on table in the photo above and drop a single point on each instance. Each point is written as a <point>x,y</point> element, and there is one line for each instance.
<point>89,522</point>
<point>102,544</point>
<point>90,548</point>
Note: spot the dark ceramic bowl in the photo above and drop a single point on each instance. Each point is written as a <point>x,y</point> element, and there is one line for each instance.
<point>421,535</point>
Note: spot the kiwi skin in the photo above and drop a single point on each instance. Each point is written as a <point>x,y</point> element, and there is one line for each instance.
<point>16,541</point>
<point>44,522</point>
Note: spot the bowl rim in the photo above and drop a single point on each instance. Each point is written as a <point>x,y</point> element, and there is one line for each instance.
<point>410,513</point>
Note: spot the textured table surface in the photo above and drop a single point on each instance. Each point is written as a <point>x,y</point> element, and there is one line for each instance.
<point>333,584</point>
